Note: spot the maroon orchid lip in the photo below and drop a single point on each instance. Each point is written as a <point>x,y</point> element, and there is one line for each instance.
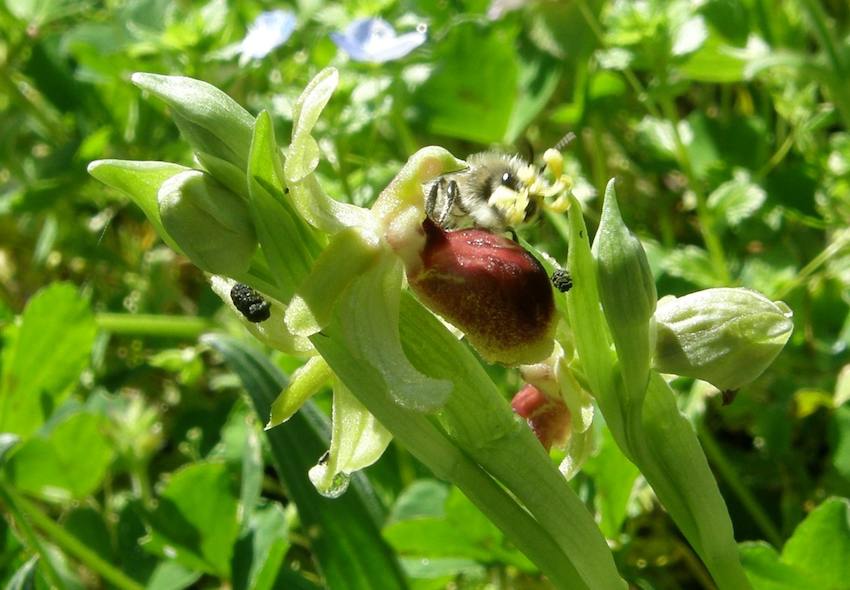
<point>487,285</point>
<point>548,417</point>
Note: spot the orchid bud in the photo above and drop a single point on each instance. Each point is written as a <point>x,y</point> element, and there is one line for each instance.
<point>487,285</point>
<point>548,417</point>
<point>627,291</point>
<point>211,225</point>
<point>211,121</point>
<point>727,337</point>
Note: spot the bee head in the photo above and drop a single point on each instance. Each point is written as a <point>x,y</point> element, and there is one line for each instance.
<point>523,190</point>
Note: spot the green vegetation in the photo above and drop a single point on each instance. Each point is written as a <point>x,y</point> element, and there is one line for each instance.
<point>133,452</point>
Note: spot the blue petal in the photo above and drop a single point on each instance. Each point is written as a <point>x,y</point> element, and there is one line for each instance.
<point>375,40</point>
<point>268,31</point>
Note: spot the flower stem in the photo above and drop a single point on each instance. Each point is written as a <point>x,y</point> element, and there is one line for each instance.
<point>164,326</point>
<point>727,471</point>
<point>431,446</point>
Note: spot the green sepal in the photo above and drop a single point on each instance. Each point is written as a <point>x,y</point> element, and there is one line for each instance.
<point>369,315</point>
<point>140,181</point>
<point>350,254</point>
<point>209,119</point>
<point>211,225</point>
<point>288,244</point>
<point>224,172</point>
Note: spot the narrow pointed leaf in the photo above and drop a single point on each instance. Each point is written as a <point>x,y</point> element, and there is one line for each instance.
<point>349,549</point>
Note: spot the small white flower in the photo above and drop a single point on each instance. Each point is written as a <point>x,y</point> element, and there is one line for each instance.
<point>374,40</point>
<point>269,31</point>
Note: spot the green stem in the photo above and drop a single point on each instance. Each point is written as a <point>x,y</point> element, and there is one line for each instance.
<point>706,219</point>
<point>164,326</point>
<point>8,498</point>
<point>715,248</point>
<point>837,83</point>
<point>69,542</point>
<point>825,38</point>
<point>727,471</point>
<point>431,446</point>
<point>801,277</point>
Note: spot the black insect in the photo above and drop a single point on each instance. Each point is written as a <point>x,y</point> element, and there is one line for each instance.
<point>250,303</point>
<point>562,280</point>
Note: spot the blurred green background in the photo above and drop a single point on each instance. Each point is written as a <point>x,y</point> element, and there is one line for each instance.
<point>724,121</point>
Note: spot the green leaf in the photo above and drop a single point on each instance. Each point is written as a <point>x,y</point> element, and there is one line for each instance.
<point>714,62</point>
<point>424,497</point>
<point>821,543</point>
<point>43,357</point>
<point>692,264</point>
<point>170,575</point>
<point>49,466</point>
<point>196,518</point>
<point>260,550</point>
<point>737,200</point>
<point>462,531</point>
<point>767,572</point>
<point>350,551</point>
<point>537,80</point>
<point>814,557</point>
<point>90,528</point>
<point>140,181</point>
<point>841,440</point>
<point>472,103</point>
<point>251,484</point>
<point>25,577</point>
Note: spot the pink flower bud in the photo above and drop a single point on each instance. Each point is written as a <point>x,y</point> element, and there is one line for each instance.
<point>548,417</point>
<point>498,294</point>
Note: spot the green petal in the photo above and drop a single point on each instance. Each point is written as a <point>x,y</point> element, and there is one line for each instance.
<point>305,382</point>
<point>358,440</point>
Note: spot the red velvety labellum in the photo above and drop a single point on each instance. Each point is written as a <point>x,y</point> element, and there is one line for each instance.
<point>548,417</point>
<point>487,285</point>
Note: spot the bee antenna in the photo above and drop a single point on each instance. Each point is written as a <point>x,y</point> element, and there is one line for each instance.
<point>562,143</point>
<point>565,141</point>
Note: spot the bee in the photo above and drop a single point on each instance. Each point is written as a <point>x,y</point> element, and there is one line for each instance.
<point>498,192</point>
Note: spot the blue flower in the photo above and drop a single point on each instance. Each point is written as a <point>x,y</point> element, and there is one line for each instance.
<point>268,31</point>
<point>374,40</point>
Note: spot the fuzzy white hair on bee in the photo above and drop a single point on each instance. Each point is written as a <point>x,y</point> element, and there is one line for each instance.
<point>498,191</point>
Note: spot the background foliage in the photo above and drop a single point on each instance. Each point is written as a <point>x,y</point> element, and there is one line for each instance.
<point>725,122</point>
